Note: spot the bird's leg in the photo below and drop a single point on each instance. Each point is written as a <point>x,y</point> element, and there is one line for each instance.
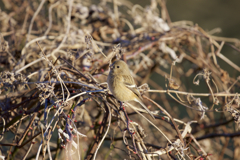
<point>122,107</point>
<point>121,104</point>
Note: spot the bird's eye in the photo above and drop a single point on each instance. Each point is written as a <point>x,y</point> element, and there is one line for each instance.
<point>117,66</point>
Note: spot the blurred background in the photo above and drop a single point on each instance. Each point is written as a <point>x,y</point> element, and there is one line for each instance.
<point>221,17</point>
<point>207,14</point>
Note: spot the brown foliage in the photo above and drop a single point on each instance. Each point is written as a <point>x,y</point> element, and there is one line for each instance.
<point>55,56</point>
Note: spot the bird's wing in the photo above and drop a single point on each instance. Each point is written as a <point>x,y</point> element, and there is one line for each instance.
<point>130,84</point>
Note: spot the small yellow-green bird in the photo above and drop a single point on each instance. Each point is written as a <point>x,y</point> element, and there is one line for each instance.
<point>122,85</point>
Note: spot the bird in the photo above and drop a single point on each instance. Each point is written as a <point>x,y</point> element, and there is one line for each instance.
<point>122,85</point>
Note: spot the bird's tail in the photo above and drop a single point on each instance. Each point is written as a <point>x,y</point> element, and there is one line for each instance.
<point>145,108</point>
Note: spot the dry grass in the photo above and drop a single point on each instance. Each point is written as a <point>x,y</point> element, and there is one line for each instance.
<point>55,56</point>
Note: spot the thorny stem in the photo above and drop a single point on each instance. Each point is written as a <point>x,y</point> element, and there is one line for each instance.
<point>109,122</point>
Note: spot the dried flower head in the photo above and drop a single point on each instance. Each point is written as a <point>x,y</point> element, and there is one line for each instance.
<point>10,79</point>
<point>46,91</point>
<point>234,113</point>
<point>143,88</point>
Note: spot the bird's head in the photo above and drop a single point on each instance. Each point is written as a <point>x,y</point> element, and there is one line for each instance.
<point>119,67</point>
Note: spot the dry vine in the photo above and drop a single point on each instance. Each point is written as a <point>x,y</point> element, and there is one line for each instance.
<point>54,61</point>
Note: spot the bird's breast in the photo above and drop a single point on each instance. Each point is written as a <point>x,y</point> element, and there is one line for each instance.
<point>119,90</point>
